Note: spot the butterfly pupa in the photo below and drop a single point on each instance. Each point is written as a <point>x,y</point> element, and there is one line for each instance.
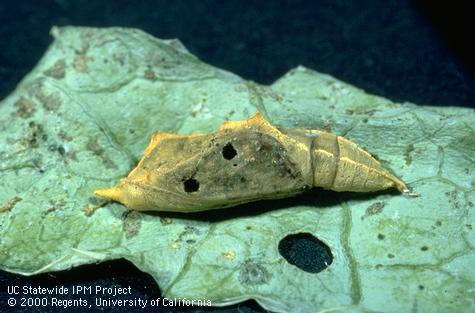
<point>245,161</point>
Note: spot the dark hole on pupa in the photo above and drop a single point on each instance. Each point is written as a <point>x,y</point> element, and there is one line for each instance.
<point>229,152</point>
<point>191,185</point>
<point>306,251</point>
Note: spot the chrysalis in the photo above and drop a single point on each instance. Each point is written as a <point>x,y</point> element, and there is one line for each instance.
<point>245,161</point>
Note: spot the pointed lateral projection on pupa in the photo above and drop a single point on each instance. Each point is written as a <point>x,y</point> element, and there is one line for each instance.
<point>245,161</point>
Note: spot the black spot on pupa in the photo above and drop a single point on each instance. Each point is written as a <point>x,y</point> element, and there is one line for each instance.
<point>191,185</point>
<point>306,251</point>
<point>229,152</point>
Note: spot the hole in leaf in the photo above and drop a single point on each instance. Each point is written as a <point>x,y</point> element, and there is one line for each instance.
<point>229,152</point>
<point>191,185</point>
<point>306,251</point>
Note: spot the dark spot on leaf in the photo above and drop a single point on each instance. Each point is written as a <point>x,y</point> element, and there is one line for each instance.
<point>149,74</point>
<point>188,231</point>
<point>61,150</point>
<point>191,185</point>
<point>306,251</point>
<point>391,256</point>
<point>63,135</point>
<point>253,273</point>
<point>424,248</point>
<point>408,154</point>
<point>165,220</point>
<point>229,152</point>
<point>35,133</point>
<point>421,287</point>
<point>132,221</point>
<point>373,209</point>
<point>57,148</point>
<point>94,200</point>
<point>93,146</point>
<point>381,236</point>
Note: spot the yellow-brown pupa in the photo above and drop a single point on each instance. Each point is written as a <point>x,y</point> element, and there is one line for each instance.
<point>245,161</point>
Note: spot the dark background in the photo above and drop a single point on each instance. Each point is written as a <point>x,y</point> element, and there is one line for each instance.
<point>399,49</point>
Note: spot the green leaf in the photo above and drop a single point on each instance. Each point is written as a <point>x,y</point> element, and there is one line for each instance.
<point>82,118</point>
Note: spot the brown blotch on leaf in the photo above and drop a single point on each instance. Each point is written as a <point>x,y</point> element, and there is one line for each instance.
<point>25,108</point>
<point>373,209</point>
<point>57,70</point>
<point>71,155</point>
<point>63,135</point>
<point>10,204</point>
<point>131,223</point>
<point>93,146</point>
<point>150,74</point>
<point>50,102</point>
<point>81,59</point>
